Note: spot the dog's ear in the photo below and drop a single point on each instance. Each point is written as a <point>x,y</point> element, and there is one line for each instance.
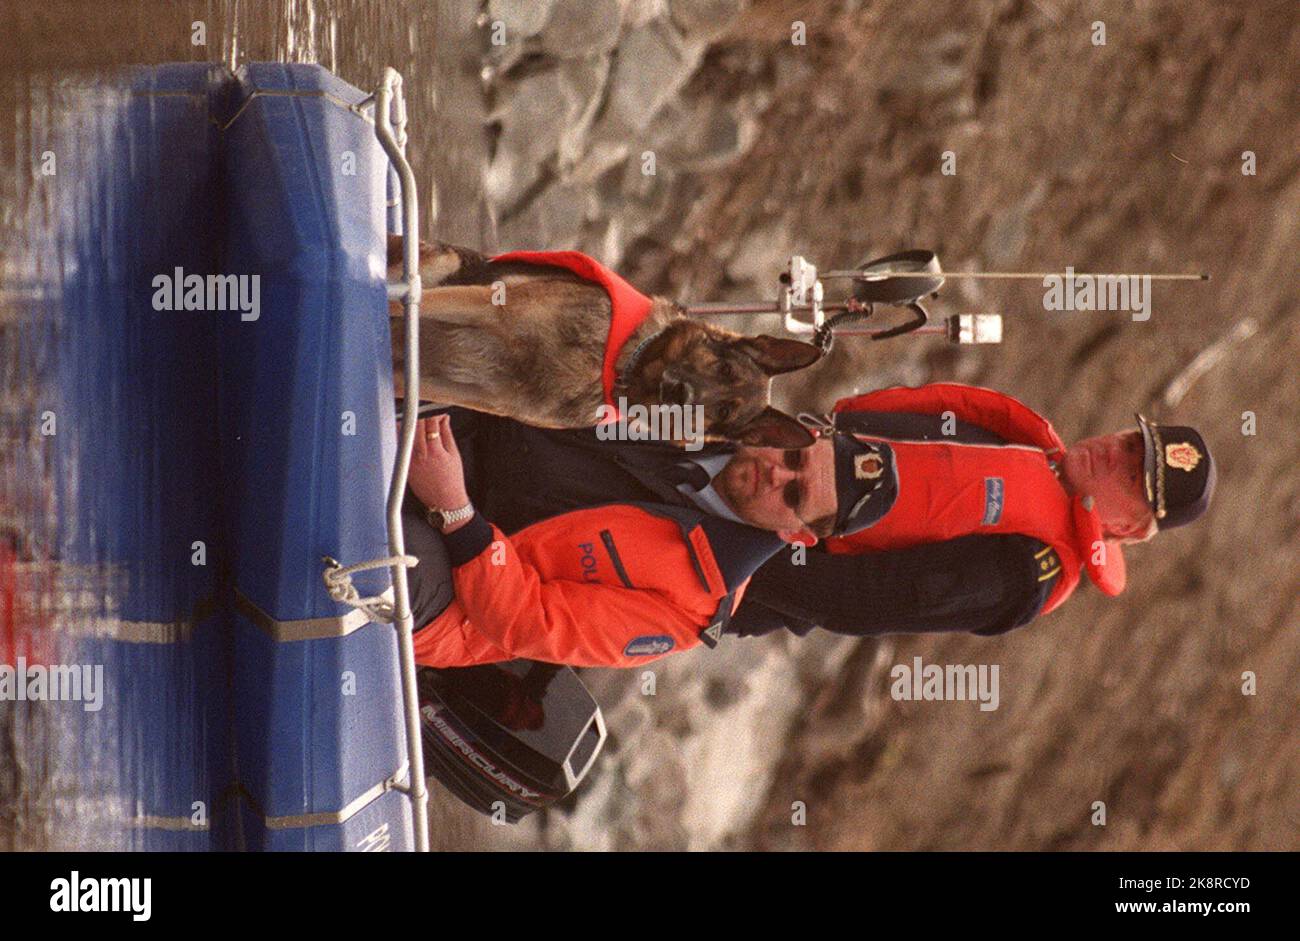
<point>776,355</point>
<point>773,428</point>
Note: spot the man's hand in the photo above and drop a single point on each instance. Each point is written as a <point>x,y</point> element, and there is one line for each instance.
<point>437,477</point>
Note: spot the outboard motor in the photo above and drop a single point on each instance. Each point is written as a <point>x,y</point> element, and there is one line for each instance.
<point>508,737</point>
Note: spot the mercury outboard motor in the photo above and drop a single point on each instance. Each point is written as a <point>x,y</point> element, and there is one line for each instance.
<point>508,737</point>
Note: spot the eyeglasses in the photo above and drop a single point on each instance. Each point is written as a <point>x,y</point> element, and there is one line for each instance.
<point>795,459</point>
<point>794,493</point>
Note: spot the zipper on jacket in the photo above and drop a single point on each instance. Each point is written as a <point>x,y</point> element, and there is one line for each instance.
<point>608,539</point>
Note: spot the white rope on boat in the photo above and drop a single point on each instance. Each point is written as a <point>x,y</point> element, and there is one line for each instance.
<point>338,582</point>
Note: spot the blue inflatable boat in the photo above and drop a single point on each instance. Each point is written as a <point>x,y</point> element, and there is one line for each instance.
<point>248,442</point>
<point>234,467</point>
<point>307,420</point>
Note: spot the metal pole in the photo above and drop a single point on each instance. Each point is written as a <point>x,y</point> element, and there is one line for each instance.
<point>934,329</point>
<point>720,307</point>
<point>1005,275</point>
<point>402,619</point>
<point>714,308</point>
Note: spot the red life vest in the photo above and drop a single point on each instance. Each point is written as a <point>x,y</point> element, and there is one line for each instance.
<point>629,306</point>
<point>948,489</point>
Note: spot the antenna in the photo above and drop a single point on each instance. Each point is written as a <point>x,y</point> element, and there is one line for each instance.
<point>899,280</point>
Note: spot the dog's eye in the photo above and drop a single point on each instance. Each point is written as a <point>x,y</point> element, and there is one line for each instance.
<point>726,372</point>
<point>724,412</point>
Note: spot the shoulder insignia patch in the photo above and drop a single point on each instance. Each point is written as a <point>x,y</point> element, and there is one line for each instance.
<point>868,466</point>
<point>650,645</point>
<point>994,494</point>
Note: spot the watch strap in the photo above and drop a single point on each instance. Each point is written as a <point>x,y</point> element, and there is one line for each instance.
<point>441,519</point>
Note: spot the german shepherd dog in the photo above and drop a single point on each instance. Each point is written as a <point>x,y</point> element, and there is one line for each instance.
<point>538,356</point>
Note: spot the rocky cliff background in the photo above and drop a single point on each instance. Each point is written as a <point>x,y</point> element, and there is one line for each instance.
<point>535,123</point>
<point>1117,157</point>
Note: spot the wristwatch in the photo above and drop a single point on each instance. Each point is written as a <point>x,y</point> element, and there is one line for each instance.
<point>441,519</point>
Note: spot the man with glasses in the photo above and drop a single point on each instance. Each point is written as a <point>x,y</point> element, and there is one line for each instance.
<point>559,546</point>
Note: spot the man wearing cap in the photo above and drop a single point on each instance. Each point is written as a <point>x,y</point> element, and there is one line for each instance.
<point>994,520</point>
<point>562,547</point>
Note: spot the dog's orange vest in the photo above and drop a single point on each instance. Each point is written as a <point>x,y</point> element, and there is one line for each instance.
<point>949,489</point>
<point>629,306</point>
